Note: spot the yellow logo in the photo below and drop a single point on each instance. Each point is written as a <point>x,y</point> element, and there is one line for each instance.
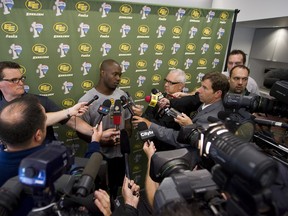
<point>33,5</point>
<point>60,28</point>
<point>104,28</point>
<point>224,15</point>
<point>218,47</point>
<point>125,81</point>
<point>125,47</point>
<point>64,68</point>
<point>173,62</point>
<point>156,78</point>
<point>202,62</point>
<point>190,47</point>
<point>45,88</point>
<point>159,47</point>
<point>177,30</point>
<point>188,76</point>
<point>71,134</point>
<point>22,69</point>
<point>39,49</point>
<point>82,7</point>
<point>207,31</point>
<point>140,94</point>
<point>163,12</point>
<point>195,14</point>
<point>125,9</point>
<point>9,27</point>
<point>87,84</point>
<point>68,102</point>
<point>85,48</point>
<point>141,64</point>
<point>143,29</point>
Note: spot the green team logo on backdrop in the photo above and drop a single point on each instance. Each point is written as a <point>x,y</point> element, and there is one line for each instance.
<point>190,47</point>
<point>64,68</point>
<point>163,12</point>
<point>188,76</point>
<point>156,78</point>
<point>9,27</point>
<point>195,14</point>
<point>84,48</point>
<point>140,94</point>
<point>45,88</point>
<point>34,5</point>
<point>224,16</point>
<point>22,69</point>
<point>218,47</point>
<point>39,49</point>
<point>60,28</point>
<point>125,81</point>
<point>87,84</point>
<point>177,30</point>
<point>82,7</point>
<point>125,9</point>
<point>159,47</point>
<point>71,134</point>
<point>104,28</point>
<point>207,31</point>
<point>143,29</point>
<point>173,62</point>
<point>125,47</point>
<point>202,62</point>
<point>68,102</point>
<point>141,64</point>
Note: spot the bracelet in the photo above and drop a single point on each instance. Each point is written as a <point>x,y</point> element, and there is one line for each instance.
<point>68,115</point>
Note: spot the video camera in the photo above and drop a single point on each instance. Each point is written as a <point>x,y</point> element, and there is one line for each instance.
<point>240,170</point>
<point>53,184</point>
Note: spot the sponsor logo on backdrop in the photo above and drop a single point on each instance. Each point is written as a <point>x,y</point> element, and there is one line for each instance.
<point>59,6</point>
<point>172,63</point>
<point>163,12</point>
<point>210,16</point>
<point>85,67</point>
<point>175,48</point>
<point>159,48</point>
<point>157,64</point>
<point>105,9</point>
<point>176,31</point>
<point>179,14</point>
<point>224,17</point>
<point>33,6</point>
<point>141,65</point>
<point>125,48</point>
<point>217,48</point>
<point>156,78</point>
<point>202,62</point>
<point>220,32</point>
<point>26,88</point>
<point>125,29</point>
<point>125,81</point>
<point>36,29</point>
<point>105,49</point>
<point>140,80</point>
<point>124,65</point>
<point>199,77</point>
<point>145,11</point>
<point>87,85</point>
<point>15,50</point>
<point>85,49</point>
<point>7,6</point>
<point>215,62</point>
<point>66,87</point>
<point>195,15</point>
<point>204,48</point>
<point>63,49</point>
<point>83,29</point>
<point>192,32</point>
<point>190,48</point>
<point>42,70</point>
<point>10,28</point>
<point>160,31</point>
<point>140,94</point>
<point>142,48</point>
<point>83,8</point>
<point>68,102</point>
<point>45,88</point>
<point>188,62</point>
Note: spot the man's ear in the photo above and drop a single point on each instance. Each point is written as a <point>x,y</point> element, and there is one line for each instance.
<point>38,135</point>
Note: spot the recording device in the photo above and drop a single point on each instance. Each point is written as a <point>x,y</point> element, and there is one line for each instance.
<point>92,100</point>
<point>125,150</point>
<point>126,104</point>
<point>103,110</point>
<point>159,94</point>
<point>144,133</point>
<point>172,112</point>
<point>130,99</point>
<point>270,123</point>
<point>117,113</point>
<point>152,100</point>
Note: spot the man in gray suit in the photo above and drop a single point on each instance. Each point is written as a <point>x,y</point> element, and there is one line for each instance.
<point>214,86</point>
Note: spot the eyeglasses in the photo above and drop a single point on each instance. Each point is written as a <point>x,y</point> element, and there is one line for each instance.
<point>15,80</point>
<point>170,82</point>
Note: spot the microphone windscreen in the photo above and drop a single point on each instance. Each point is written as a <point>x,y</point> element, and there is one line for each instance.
<point>124,142</point>
<point>92,167</point>
<point>148,98</point>
<point>212,119</point>
<point>142,126</point>
<point>154,91</point>
<point>123,99</point>
<point>107,103</point>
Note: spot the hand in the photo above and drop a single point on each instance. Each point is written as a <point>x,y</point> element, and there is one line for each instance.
<point>78,109</point>
<point>179,94</point>
<point>149,149</point>
<point>137,109</point>
<point>102,201</point>
<point>163,103</point>
<point>130,192</point>
<point>97,133</point>
<point>109,137</point>
<point>183,119</point>
<point>137,119</point>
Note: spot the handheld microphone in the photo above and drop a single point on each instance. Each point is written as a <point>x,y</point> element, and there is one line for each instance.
<point>125,150</point>
<point>130,99</point>
<point>270,123</point>
<point>152,100</point>
<point>117,113</point>
<point>86,182</point>
<point>212,119</point>
<point>144,133</point>
<point>126,104</point>
<point>103,110</point>
<point>159,94</point>
<point>92,100</point>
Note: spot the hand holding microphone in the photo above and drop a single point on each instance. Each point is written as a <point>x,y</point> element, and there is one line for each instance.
<point>117,113</point>
<point>103,110</point>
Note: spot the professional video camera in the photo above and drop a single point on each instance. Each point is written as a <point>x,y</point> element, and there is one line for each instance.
<point>45,181</point>
<point>241,171</point>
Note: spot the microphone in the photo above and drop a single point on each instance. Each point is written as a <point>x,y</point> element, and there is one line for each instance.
<point>152,100</point>
<point>212,119</point>
<point>270,123</point>
<point>223,115</point>
<point>130,99</point>
<point>86,182</point>
<point>126,104</point>
<point>125,150</point>
<point>103,110</point>
<point>159,94</point>
<point>92,100</point>
<point>117,113</point>
<point>144,133</point>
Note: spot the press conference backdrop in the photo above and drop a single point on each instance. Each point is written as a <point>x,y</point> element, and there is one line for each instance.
<point>60,45</point>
